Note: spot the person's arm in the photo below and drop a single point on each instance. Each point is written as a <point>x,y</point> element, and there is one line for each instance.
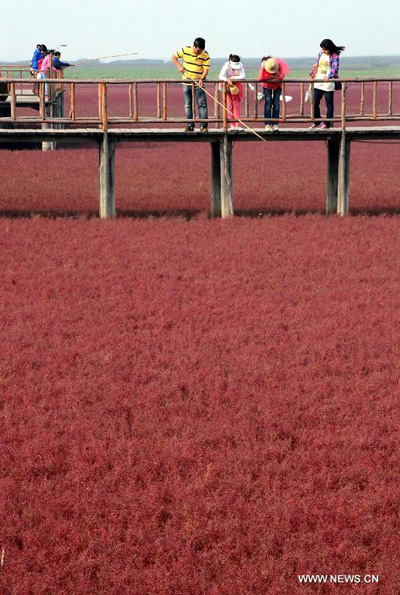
<point>175,59</point>
<point>206,69</point>
<point>314,69</point>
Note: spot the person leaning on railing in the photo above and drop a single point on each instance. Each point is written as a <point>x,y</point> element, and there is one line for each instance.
<point>57,64</point>
<point>195,67</point>
<point>326,69</point>
<point>44,68</point>
<point>232,72</point>
<point>275,69</point>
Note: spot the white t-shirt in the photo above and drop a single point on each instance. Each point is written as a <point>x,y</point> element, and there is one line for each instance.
<point>236,74</point>
<point>324,70</point>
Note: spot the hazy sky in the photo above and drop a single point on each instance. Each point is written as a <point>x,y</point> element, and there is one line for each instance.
<point>156,28</point>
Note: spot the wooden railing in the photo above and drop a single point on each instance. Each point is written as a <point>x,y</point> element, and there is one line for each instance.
<point>374,100</point>
<point>15,71</point>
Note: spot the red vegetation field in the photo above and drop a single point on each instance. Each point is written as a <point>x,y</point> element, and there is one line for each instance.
<point>268,178</point>
<point>198,407</point>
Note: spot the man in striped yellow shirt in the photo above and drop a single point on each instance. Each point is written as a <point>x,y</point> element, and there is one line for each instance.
<point>195,67</point>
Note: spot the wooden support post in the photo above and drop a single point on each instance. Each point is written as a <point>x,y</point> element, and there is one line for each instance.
<point>215,180</point>
<point>344,160</point>
<point>107,177</point>
<point>332,177</point>
<point>344,175</point>
<point>48,145</point>
<point>226,177</point>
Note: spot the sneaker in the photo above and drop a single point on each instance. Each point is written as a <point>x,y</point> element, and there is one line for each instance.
<point>239,129</point>
<point>268,128</point>
<point>232,128</point>
<point>275,128</point>
<point>203,129</point>
<point>323,126</point>
<point>189,128</point>
<point>313,126</point>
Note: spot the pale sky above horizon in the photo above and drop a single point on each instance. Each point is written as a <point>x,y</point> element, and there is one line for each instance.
<point>155,28</point>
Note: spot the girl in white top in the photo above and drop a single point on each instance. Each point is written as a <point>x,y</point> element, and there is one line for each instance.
<point>326,69</point>
<point>232,72</point>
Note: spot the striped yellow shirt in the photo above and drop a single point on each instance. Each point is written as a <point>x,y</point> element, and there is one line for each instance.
<point>194,66</point>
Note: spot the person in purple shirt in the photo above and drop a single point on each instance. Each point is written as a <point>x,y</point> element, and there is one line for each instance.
<point>324,71</point>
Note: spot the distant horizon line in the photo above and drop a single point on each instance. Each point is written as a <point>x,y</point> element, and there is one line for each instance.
<point>166,61</point>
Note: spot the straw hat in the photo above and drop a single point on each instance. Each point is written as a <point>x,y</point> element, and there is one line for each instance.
<point>271,65</point>
<point>234,90</point>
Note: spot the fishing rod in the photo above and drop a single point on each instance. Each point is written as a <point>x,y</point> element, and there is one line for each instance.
<point>225,108</point>
<point>105,57</point>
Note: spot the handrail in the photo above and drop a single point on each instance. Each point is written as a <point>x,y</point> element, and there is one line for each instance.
<point>52,89</point>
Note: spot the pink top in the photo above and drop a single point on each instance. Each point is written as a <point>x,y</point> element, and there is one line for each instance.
<point>46,64</point>
<point>263,75</point>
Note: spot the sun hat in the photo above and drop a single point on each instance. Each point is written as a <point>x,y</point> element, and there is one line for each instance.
<point>271,65</point>
<point>235,65</point>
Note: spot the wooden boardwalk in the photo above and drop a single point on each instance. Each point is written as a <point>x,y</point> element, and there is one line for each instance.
<point>50,126</point>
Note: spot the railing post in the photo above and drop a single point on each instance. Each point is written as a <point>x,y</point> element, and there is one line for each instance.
<point>216,104</point>
<point>13,102</point>
<point>72,101</point>
<point>312,107</point>
<point>165,101</point>
<point>301,99</point>
<point>390,113</point>
<point>193,103</point>
<point>374,100</point>
<point>135,103</point>
<point>283,102</point>
<point>362,104</point>
<point>104,106</point>
<point>159,101</point>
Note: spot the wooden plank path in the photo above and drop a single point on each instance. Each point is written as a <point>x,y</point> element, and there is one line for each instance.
<point>107,130</point>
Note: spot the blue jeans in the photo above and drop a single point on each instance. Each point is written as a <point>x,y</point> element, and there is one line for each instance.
<point>201,100</point>
<point>318,94</point>
<point>271,106</point>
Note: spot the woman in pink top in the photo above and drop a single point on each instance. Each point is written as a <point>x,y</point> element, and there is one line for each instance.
<point>232,72</point>
<point>272,68</point>
<point>44,69</point>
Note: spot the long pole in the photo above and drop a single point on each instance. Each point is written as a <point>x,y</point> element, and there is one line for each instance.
<point>105,57</point>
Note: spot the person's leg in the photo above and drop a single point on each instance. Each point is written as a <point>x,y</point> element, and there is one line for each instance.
<point>201,99</point>
<point>267,104</point>
<point>237,104</point>
<point>317,100</point>
<point>329,106</point>
<point>187,95</point>
<point>229,105</point>
<point>276,105</point>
